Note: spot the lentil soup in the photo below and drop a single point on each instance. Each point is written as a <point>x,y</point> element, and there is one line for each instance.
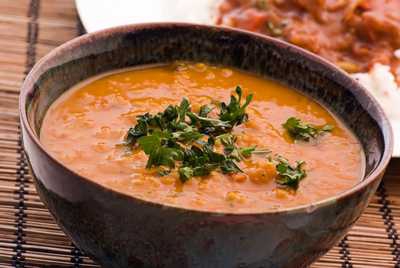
<point>87,130</point>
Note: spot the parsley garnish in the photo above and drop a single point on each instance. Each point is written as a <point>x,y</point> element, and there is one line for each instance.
<point>289,175</point>
<point>239,153</point>
<point>182,139</point>
<point>171,120</point>
<point>161,149</point>
<point>201,160</point>
<point>234,112</point>
<point>300,130</point>
<point>174,136</point>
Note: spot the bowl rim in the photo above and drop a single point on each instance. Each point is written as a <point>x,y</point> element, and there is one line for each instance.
<point>354,87</point>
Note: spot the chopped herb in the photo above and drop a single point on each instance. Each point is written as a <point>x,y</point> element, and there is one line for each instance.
<point>234,112</point>
<point>175,135</point>
<point>204,110</point>
<point>229,166</point>
<point>139,130</point>
<point>228,140</point>
<point>201,160</point>
<point>300,130</point>
<point>189,134</point>
<point>185,173</point>
<point>172,119</point>
<point>160,152</point>
<point>288,175</point>
<point>238,153</point>
<point>261,151</point>
<point>179,138</point>
<point>184,107</point>
<point>149,143</point>
<point>209,126</point>
<point>246,152</point>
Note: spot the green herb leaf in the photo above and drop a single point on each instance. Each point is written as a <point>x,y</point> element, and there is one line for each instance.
<point>238,153</point>
<point>184,107</point>
<point>159,154</point>
<point>288,175</point>
<point>228,140</point>
<point>149,143</point>
<point>205,170</point>
<point>164,156</point>
<point>300,130</point>
<point>234,112</point>
<point>204,110</point>
<point>139,130</point>
<point>229,166</point>
<point>175,137</point>
<point>202,160</point>
<point>209,126</point>
<point>246,152</point>
<point>185,173</point>
<point>187,135</point>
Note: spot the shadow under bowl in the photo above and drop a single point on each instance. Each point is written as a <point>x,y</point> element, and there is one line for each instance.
<point>123,231</point>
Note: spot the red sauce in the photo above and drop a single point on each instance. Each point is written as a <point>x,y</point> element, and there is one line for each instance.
<point>354,34</point>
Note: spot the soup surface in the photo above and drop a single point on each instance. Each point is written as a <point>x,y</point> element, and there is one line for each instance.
<point>86,128</point>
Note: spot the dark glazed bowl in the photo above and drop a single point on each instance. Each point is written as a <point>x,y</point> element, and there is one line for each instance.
<point>123,231</point>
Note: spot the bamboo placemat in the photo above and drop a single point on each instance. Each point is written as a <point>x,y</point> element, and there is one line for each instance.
<point>29,236</point>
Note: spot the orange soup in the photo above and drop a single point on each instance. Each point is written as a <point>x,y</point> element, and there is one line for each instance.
<point>202,137</point>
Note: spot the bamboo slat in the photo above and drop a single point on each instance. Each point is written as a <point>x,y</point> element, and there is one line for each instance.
<point>29,237</point>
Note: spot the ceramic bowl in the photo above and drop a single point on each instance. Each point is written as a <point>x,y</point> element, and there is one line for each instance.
<point>122,231</point>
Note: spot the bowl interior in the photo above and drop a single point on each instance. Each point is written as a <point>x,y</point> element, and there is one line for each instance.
<point>149,44</point>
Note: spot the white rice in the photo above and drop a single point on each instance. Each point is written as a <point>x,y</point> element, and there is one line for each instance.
<point>382,84</point>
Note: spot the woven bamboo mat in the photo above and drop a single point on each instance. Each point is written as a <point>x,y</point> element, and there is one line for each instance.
<point>28,235</point>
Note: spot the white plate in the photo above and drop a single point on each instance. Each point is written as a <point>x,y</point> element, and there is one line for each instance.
<point>100,14</point>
